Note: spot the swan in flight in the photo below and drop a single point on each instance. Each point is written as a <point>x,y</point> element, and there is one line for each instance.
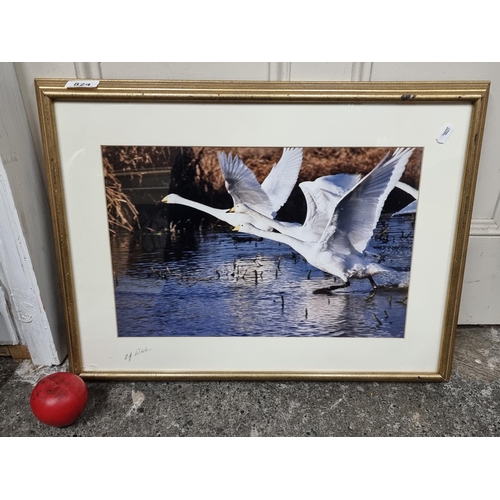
<point>322,196</point>
<point>339,250</point>
<point>264,199</point>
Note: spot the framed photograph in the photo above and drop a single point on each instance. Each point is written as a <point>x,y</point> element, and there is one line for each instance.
<point>259,230</point>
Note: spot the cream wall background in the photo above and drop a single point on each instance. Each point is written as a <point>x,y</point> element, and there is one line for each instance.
<point>481,292</point>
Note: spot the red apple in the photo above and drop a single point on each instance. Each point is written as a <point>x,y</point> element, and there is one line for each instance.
<point>59,399</point>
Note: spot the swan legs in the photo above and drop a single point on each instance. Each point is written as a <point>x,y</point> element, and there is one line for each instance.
<point>328,289</point>
<point>372,283</point>
<point>345,284</point>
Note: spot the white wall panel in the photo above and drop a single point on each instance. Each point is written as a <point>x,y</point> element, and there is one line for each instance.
<point>481,289</point>
<point>321,71</point>
<point>26,73</point>
<point>186,71</point>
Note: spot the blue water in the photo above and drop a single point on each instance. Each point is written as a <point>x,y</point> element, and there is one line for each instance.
<point>220,283</point>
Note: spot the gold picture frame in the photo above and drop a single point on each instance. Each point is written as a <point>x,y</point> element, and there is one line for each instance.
<point>446,119</point>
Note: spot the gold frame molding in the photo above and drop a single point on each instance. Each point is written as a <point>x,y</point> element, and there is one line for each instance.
<point>49,91</point>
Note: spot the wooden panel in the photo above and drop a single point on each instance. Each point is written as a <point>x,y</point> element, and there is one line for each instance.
<point>19,352</point>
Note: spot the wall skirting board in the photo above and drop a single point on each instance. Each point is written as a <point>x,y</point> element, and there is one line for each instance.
<point>485,227</point>
<point>481,288</point>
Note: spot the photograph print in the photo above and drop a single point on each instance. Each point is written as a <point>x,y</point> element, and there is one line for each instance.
<point>261,241</point>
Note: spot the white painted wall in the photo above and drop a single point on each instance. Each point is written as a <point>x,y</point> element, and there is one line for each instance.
<point>28,270</point>
<point>481,293</point>
<point>23,311</point>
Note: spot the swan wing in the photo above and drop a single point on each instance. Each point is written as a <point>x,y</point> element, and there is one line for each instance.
<point>409,209</point>
<point>309,195</point>
<point>338,182</point>
<point>323,195</point>
<point>243,186</point>
<point>282,179</point>
<point>357,214</point>
<point>407,189</point>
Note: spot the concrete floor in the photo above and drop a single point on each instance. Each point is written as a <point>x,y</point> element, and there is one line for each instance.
<point>468,405</point>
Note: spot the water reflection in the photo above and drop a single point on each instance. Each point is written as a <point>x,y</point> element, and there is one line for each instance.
<point>220,283</point>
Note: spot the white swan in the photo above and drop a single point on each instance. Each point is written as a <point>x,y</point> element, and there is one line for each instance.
<point>322,196</point>
<point>242,185</point>
<point>269,197</point>
<point>350,227</point>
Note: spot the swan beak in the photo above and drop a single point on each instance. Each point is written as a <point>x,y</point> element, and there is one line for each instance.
<point>165,200</point>
<point>232,210</point>
<point>236,228</point>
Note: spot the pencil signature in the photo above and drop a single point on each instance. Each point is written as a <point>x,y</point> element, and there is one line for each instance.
<point>137,352</point>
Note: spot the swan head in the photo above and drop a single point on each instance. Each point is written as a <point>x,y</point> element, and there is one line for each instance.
<point>170,198</point>
<point>246,227</point>
<point>243,227</point>
<point>239,208</point>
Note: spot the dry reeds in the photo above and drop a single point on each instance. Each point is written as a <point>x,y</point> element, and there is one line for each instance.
<point>133,160</point>
<point>122,213</point>
<point>317,162</point>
